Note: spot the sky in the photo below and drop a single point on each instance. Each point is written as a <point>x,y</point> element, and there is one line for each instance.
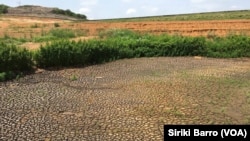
<point>108,9</point>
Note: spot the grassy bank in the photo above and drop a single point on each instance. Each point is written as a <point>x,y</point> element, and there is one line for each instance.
<point>118,44</point>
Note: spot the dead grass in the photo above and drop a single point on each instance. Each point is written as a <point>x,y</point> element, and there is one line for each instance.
<point>188,28</point>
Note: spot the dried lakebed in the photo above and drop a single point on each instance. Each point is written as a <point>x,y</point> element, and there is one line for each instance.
<point>128,99</point>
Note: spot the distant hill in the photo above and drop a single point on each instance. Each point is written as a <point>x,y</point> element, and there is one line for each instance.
<point>219,15</point>
<point>39,11</point>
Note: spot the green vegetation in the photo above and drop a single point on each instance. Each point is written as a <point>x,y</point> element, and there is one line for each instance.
<point>73,78</point>
<point>3,9</point>
<point>69,13</point>
<point>14,60</point>
<point>12,41</point>
<point>56,34</point>
<point>223,15</point>
<point>230,46</point>
<point>56,25</point>
<point>34,25</point>
<point>117,44</point>
<point>52,35</point>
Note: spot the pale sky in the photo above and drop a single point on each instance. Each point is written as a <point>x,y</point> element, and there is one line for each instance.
<point>107,9</point>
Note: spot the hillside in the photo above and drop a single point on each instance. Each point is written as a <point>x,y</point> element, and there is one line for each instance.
<point>219,15</point>
<point>39,11</point>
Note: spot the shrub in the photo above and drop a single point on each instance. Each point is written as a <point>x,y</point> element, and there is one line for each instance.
<point>56,25</point>
<point>34,26</point>
<point>55,34</point>
<point>14,60</point>
<point>228,47</point>
<point>62,53</point>
<point>3,9</point>
<point>2,76</point>
<point>69,13</point>
<point>117,45</point>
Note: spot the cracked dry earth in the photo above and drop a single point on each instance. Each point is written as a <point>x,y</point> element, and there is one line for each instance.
<point>128,99</point>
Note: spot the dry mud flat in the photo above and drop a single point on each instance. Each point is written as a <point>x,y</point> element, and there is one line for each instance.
<point>128,99</point>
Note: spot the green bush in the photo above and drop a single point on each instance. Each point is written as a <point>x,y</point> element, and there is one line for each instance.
<point>34,26</point>
<point>13,41</point>
<point>2,76</point>
<point>70,53</point>
<point>126,44</point>
<point>229,47</point>
<point>56,34</point>
<point>14,60</point>
<point>60,53</point>
<point>56,25</point>
<point>3,9</point>
<point>69,13</point>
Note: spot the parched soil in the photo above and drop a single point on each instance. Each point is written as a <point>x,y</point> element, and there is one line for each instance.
<point>128,99</point>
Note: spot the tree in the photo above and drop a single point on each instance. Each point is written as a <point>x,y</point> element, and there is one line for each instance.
<point>69,13</point>
<point>3,9</point>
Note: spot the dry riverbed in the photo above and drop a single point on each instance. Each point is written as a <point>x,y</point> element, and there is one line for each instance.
<point>128,99</point>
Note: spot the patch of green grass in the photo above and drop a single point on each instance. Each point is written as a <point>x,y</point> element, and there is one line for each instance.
<point>57,34</point>
<point>34,26</point>
<point>83,32</point>
<point>45,38</point>
<point>116,33</point>
<point>73,78</point>
<point>62,33</point>
<point>13,41</point>
<point>8,75</point>
<point>238,83</point>
<point>176,112</point>
<point>2,76</point>
<point>248,97</point>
